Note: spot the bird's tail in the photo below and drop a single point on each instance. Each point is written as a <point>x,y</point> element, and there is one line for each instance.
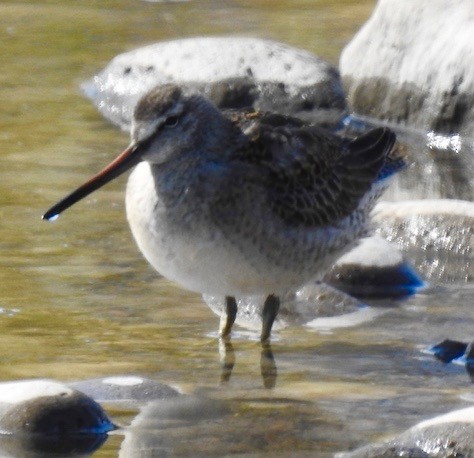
<point>376,150</point>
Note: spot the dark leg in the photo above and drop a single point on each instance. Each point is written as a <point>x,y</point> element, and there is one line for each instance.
<point>228,319</point>
<point>269,313</point>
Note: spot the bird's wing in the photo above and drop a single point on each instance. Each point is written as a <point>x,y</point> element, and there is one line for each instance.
<point>312,177</point>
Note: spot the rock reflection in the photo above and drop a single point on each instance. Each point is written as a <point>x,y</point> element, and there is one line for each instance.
<point>40,446</point>
<point>160,427</point>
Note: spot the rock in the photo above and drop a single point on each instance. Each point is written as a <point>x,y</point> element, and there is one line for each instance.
<point>450,435</point>
<point>437,236</point>
<point>411,63</point>
<point>233,71</point>
<point>448,349</point>
<point>125,388</point>
<point>375,268</point>
<point>44,416</point>
<point>453,351</point>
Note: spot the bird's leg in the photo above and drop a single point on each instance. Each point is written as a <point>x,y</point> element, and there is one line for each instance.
<point>227,320</point>
<point>269,313</point>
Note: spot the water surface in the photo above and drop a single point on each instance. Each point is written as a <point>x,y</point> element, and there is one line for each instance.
<point>78,301</point>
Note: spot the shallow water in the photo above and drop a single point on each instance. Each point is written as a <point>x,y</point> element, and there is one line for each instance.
<point>78,301</point>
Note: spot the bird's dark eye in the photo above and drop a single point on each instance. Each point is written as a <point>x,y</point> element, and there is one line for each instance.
<point>171,121</point>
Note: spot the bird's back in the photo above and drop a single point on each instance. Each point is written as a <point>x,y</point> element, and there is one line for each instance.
<point>310,177</point>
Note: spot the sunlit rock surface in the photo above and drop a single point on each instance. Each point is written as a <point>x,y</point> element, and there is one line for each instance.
<point>411,63</point>
<point>42,416</point>
<point>234,72</point>
<point>437,236</point>
<point>449,435</point>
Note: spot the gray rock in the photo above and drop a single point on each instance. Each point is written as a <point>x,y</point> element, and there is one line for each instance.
<point>375,268</point>
<point>437,236</point>
<point>38,417</point>
<point>232,71</point>
<point>411,63</point>
<point>450,435</point>
<point>48,407</point>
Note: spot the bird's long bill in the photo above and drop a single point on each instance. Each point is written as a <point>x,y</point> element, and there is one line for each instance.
<point>121,164</point>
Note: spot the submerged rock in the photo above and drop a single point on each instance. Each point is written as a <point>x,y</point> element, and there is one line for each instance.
<point>450,435</point>
<point>437,236</point>
<point>411,63</point>
<point>234,72</point>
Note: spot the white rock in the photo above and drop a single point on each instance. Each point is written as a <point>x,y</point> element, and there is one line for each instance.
<point>451,434</point>
<point>412,62</point>
<point>298,76</point>
<point>25,390</point>
<point>436,235</point>
<point>373,252</point>
<point>456,416</point>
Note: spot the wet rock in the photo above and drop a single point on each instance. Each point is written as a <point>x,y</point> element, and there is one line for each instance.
<point>450,435</point>
<point>448,349</point>
<point>375,268</point>
<point>125,388</point>
<point>234,72</point>
<point>43,416</point>
<point>411,63</point>
<point>453,351</point>
<point>437,236</point>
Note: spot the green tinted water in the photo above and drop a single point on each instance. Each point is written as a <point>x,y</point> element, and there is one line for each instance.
<point>63,277</point>
<point>78,300</point>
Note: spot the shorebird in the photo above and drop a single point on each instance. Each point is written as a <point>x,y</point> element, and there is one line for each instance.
<point>242,202</point>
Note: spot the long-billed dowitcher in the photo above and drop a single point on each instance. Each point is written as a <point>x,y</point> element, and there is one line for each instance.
<point>237,203</point>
